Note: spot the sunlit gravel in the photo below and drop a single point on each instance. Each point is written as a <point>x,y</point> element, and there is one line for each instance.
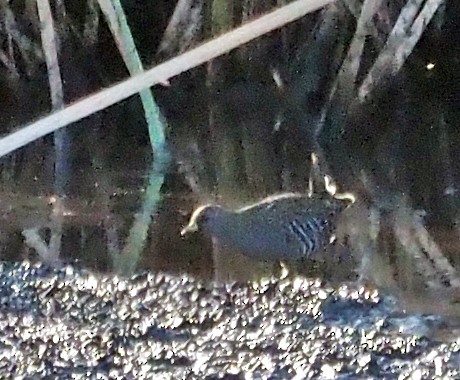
<point>73,324</point>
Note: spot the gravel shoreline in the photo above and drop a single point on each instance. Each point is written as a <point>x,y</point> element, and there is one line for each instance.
<point>73,324</point>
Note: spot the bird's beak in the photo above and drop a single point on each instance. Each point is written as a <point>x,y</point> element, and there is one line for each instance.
<point>191,227</point>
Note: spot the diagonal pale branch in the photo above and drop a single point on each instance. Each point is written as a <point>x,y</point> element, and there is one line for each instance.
<point>417,28</point>
<point>183,27</point>
<point>407,31</point>
<point>160,73</point>
<point>356,8</point>
<point>434,262</point>
<point>29,50</point>
<point>345,82</point>
<point>403,23</point>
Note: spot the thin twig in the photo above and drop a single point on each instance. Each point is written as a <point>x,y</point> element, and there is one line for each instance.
<point>9,63</point>
<point>116,18</point>
<point>357,44</point>
<point>356,8</point>
<point>183,27</point>
<point>91,27</point>
<point>29,50</point>
<point>51,56</point>
<point>407,31</point>
<point>34,240</point>
<point>57,100</point>
<point>345,81</point>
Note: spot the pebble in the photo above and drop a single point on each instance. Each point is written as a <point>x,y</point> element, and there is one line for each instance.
<point>71,323</point>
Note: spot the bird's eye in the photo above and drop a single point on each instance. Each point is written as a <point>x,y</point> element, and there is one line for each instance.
<point>209,214</point>
<point>205,217</point>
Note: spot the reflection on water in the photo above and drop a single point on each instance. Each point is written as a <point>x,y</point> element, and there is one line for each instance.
<point>383,239</point>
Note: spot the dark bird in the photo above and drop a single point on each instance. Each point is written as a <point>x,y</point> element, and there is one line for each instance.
<point>287,226</point>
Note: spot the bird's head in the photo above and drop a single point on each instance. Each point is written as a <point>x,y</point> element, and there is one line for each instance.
<point>202,217</point>
<point>331,188</point>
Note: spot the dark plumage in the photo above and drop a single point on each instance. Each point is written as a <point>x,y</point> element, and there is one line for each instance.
<point>283,227</point>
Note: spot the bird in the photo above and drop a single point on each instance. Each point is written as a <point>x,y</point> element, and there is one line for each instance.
<point>286,226</point>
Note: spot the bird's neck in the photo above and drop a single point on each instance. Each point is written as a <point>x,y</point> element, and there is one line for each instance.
<point>222,221</point>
